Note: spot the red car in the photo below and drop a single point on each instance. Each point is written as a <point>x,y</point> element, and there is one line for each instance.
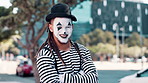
<point>24,69</point>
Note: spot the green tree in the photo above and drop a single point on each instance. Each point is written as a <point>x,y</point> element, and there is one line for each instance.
<point>102,50</point>
<point>31,12</point>
<point>4,11</point>
<point>92,38</point>
<point>4,31</point>
<point>6,44</point>
<point>93,50</point>
<point>133,40</point>
<point>106,48</point>
<point>85,39</point>
<point>4,34</point>
<point>133,51</point>
<point>110,37</point>
<point>97,36</point>
<point>145,42</point>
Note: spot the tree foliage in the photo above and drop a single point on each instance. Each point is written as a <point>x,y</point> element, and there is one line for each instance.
<point>133,40</point>
<point>4,11</point>
<point>31,12</point>
<point>102,49</point>
<point>133,51</point>
<point>5,14</point>
<point>6,44</point>
<point>106,48</point>
<point>99,42</point>
<point>145,42</point>
<point>109,49</point>
<point>6,34</point>
<point>97,36</point>
<point>110,37</point>
<point>7,18</point>
<point>85,40</point>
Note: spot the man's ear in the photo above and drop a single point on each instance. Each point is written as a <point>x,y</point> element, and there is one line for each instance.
<point>50,27</point>
<point>72,26</point>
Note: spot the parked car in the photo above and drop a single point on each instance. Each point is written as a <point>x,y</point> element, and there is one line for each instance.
<point>139,77</point>
<point>24,69</point>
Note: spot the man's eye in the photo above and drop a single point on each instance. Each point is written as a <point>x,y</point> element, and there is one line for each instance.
<point>59,28</point>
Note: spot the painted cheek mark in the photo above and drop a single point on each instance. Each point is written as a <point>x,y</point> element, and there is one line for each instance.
<point>69,24</point>
<point>59,24</point>
<point>59,28</point>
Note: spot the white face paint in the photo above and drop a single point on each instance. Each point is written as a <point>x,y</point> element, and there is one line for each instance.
<point>62,29</point>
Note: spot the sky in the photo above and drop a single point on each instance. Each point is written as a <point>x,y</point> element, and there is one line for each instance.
<point>5,3</point>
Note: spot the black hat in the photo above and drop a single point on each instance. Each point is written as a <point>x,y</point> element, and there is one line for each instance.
<point>60,10</point>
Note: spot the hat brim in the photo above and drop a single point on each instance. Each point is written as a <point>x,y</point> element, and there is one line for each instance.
<point>52,16</point>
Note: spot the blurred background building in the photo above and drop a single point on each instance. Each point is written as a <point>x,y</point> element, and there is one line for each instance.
<point>129,15</point>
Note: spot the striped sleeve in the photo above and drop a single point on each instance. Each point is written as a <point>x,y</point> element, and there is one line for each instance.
<point>88,67</point>
<point>46,68</point>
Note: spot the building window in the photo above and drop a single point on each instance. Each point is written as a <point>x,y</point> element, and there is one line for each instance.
<point>105,2</point>
<point>130,28</point>
<point>122,4</point>
<point>99,11</point>
<point>138,28</point>
<point>138,6</point>
<point>138,19</point>
<point>104,26</point>
<point>116,13</point>
<point>146,11</point>
<point>126,18</point>
<point>91,21</point>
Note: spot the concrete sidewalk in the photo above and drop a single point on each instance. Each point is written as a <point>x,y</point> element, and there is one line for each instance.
<point>9,67</point>
<point>120,66</point>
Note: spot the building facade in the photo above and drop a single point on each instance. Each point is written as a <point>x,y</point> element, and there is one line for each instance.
<point>127,16</point>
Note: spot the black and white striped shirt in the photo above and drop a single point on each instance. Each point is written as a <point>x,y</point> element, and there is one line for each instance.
<point>47,69</point>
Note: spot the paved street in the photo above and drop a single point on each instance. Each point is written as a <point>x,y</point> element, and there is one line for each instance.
<point>6,78</point>
<point>112,76</point>
<point>105,76</point>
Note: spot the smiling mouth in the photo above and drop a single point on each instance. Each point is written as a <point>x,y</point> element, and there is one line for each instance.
<point>63,35</point>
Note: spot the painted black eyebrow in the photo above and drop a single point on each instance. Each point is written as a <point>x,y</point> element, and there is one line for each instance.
<point>59,24</point>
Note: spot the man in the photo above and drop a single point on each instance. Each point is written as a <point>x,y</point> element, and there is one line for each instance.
<point>60,60</point>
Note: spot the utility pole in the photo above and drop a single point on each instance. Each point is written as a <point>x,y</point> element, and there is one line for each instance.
<point>117,33</point>
<point>141,41</point>
<point>123,35</point>
<point>117,39</point>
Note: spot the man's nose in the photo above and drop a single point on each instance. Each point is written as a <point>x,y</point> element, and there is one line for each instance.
<point>65,33</point>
